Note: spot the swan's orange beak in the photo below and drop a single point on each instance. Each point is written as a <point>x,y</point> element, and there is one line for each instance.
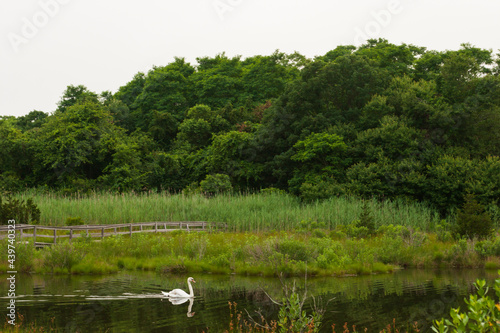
<point>193,281</point>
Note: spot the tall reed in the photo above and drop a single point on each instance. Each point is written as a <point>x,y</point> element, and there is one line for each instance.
<point>242,212</point>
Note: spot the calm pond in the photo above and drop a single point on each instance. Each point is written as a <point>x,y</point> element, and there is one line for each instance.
<point>132,302</point>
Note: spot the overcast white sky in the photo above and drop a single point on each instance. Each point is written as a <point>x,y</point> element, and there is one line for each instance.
<point>49,44</point>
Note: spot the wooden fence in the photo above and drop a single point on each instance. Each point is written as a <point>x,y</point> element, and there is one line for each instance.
<point>24,231</point>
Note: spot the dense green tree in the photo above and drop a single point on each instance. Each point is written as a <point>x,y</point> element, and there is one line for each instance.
<point>129,168</point>
<point>232,153</point>
<point>217,81</point>
<point>393,139</point>
<point>460,71</point>
<point>265,77</point>
<point>168,172</point>
<point>380,120</point>
<point>387,179</point>
<point>75,95</point>
<point>76,144</point>
<point>428,66</point>
<point>448,179</point>
<point>129,92</point>
<point>472,220</point>
<point>200,124</point>
<point>32,120</point>
<point>166,90</point>
<point>318,156</point>
<point>397,60</point>
<point>15,161</point>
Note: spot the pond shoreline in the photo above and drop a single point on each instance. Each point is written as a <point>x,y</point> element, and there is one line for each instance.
<point>317,252</point>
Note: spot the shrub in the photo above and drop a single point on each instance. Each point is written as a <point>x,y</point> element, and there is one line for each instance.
<point>294,249</point>
<point>483,313</point>
<point>62,256</point>
<point>272,191</point>
<point>333,256</point>
<point>318,233</point>
<point>21,211</point>
<point>312,191</point>
<point>355,231</point>
<point>486,248</point>
<point>392,250</point>
<point>472,220</point>
<point>216,184</point>
<point>462,254</point>
<point>70,221</point>
<point>25,256</point>
<point>443,233</point>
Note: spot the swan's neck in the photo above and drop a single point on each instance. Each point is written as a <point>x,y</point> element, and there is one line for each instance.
<point>191,292</point>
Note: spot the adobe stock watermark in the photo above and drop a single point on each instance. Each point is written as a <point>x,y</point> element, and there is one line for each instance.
<point>222,7</point>
<point>381,19</point>
<point>31,26</point>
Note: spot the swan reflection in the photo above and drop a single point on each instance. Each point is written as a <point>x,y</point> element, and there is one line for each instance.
<point>179,301</point>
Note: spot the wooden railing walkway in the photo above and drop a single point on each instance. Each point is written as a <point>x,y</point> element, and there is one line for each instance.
<point>24,231</point>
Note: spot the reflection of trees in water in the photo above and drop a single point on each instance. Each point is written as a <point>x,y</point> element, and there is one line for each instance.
<point>371,301</point>
<point>419,303</point>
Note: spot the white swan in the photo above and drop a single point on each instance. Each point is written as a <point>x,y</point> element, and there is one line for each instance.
<point>179,293</point>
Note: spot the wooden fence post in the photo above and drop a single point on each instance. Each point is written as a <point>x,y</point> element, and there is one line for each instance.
<point>71,235</point>
<point>102,233</point>
<point>34,236</point>
<point>130,229</point>
<point>55,236</point>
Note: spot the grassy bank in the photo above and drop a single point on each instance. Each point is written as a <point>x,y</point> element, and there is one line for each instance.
<point>248,212</point>
<point>317,251</point>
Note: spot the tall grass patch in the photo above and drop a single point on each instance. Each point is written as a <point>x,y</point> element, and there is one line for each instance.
<point>242,212</point>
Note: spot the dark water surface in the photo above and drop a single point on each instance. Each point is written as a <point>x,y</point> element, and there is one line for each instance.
<point>132,302</point>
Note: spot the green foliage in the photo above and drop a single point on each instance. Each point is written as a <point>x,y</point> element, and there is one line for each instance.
<point>472,220</point>
<point>488,247</point>
<point>443,231</point>
<point>380,121</point>
<point>26,254</point>
<point>317,188</point>
<point>20,210</point>
<point>482,313</point>
<point>231,153</point>
<point>366,218</point>
<point>292,317</point>
<point>70,221</point>
<point>61,257</point>
<point>216,184</point>
<point>293,249</point>
<point>74,95</point>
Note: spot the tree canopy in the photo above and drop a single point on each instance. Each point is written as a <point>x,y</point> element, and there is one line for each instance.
<point>380,120</point>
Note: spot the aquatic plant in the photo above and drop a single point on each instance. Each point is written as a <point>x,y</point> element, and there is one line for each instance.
<point>482,313</point>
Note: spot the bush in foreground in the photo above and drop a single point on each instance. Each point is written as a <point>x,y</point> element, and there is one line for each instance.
<point>482,314</point>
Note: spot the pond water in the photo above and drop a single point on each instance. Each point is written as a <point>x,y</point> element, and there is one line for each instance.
<point>132,302</point>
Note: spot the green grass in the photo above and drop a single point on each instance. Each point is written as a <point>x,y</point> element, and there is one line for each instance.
<point>242,212</point>
<point>264,253</point>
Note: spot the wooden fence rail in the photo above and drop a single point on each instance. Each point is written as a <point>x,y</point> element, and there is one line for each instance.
<point>24,231</point>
